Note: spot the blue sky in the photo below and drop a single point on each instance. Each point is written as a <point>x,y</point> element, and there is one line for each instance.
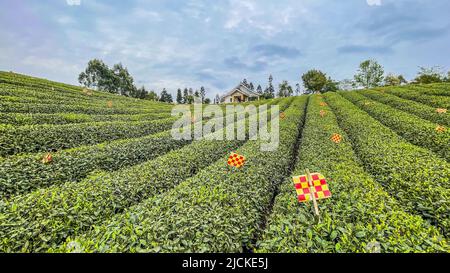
<point>178,43</point>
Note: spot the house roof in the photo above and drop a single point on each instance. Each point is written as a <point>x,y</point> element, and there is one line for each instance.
<point>243,89</point>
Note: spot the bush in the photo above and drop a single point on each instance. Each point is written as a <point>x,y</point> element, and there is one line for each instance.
<point>11,107</point>
<point>414,129</point>
<point>53,94</point>
<point>40,138</point>
<point>418,109</point>
<point>415,176</point>
<point>44,218</point>
<point>358,214</point>
<point>434,101</point>
<point>21,174</point>
<point>20,119</point>
<point>219,209</point>
<point>48,216</point>
<point>432,89</point>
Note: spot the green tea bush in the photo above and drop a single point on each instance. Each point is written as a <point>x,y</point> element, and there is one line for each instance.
<point>415,176</point>
<point>358,214</point>
<point>414,129</point>
<point>36,138</point>
<point>20,119</point>
<point>50,108</point>
<point>431,100</point>
<point>56,87</point>
<point>48,216</point>
<point>13,93</point>
<point>21,174</point>
<point>418,109</point>
<point>219,209</point>
<point>37,221</point>
<point>438,89</point>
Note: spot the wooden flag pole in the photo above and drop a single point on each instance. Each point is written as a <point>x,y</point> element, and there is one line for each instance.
<point>312,191</point>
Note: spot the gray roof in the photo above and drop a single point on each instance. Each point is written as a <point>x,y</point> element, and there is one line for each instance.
<point>243,89</point>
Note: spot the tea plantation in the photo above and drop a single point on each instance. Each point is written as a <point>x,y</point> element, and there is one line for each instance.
<point>88,171</point>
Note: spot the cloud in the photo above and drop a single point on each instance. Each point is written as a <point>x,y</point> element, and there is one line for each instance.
<point>374,2</point>
<point>391,25</point>
<point>265,17</point>
<point>207,77</point>
<point>355,49</point>
<point>73,2</point>
<point>146,14</point>
<point>173,43</point>
<point>51,65</point>
<point>272,50</point>
<point>237,64</point>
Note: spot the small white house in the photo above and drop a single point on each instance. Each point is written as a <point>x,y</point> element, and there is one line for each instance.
<point>240,93</point>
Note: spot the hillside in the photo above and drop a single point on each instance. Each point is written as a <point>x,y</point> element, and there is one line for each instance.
<point>87,171</point>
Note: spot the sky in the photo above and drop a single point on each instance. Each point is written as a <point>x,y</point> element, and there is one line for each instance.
<point>191,43</point>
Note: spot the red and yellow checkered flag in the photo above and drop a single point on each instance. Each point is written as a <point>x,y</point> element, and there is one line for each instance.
<point>236,160</point>
<point>47,158</point>
<point>440,129</point>
<point>336,138</point>
<point>319,185</point>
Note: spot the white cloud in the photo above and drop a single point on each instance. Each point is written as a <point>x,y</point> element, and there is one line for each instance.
<point>65,20</point>
<point>270,19</point>
<point>146,14</point>
<point>52,65</point>
<point>73,2</point>
<point>374,2</point>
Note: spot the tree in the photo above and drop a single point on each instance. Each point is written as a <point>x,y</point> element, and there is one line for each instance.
<point>330,86</point>
<point>190,96</point>
<point>244,82</point>
<point>179,96</point>
<point>97,75</point>
<point>116,80</point>
<point>297,89</point>
<point>207,100</point>
<point>251,86</point>
<point>429,75</point>
<point>346,84</point>
<point>152,96</point>
<point>393,80</point>
<point>185,96</point>
<point>314,80</point>
<point>165,96</point>
<point>196,94</point>
<point>217,99</point>
<point>123,82</point>
<point>285,90</point>
<point>140,93</point>
<point>203,93</point>
<point>369,74</point>
<point>269,92</point>
<point>259,89</point>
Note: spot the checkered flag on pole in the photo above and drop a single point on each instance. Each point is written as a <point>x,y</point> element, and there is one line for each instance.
<point>236,160</point>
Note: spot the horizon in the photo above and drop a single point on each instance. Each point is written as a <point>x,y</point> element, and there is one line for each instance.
<point>178,44</point>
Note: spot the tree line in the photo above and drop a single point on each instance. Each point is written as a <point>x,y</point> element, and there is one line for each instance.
<point>117,80</point>
<point>370,74</point>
